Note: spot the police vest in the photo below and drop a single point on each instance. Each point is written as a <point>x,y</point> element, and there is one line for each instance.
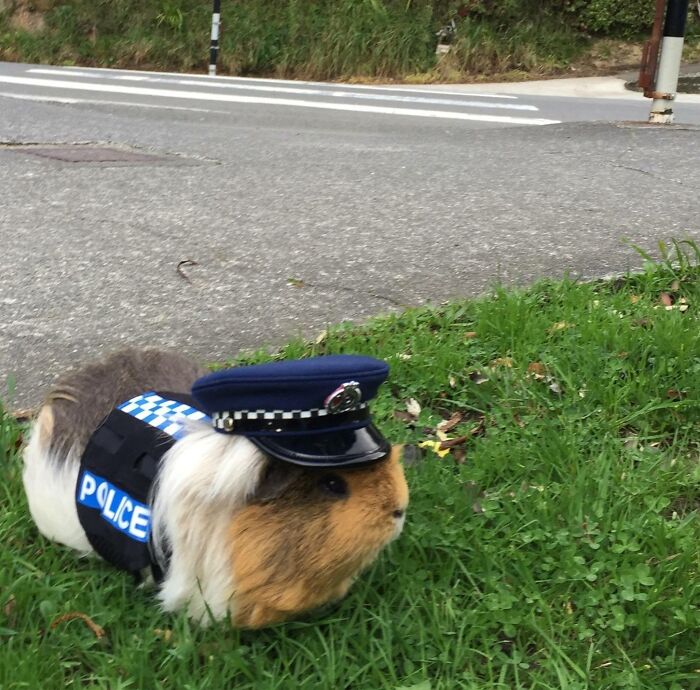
<point>117,469</point>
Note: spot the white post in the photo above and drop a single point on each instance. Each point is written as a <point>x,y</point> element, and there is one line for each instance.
<point>669,63</point>
<point>214,46</point>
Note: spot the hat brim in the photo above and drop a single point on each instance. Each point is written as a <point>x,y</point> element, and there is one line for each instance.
<point>349,448</point>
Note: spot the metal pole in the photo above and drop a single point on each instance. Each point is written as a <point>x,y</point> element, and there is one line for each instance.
<point>214,47</point>
<point>650,55</point>
<point>670,62</point>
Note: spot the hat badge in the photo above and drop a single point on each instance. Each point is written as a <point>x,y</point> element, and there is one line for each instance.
<point>344,398</point>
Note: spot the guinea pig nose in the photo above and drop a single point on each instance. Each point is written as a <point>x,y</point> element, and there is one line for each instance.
<point>398,514</point>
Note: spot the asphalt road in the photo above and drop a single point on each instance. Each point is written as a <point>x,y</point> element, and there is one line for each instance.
<point>302,205</point>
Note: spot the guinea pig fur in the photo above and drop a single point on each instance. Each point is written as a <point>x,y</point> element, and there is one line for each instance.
<point>248,536</point>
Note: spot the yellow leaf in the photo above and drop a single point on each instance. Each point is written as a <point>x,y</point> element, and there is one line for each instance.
<point>435,447</point>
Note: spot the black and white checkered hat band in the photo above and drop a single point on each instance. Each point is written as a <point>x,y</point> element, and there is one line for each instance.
<point>226,421</point>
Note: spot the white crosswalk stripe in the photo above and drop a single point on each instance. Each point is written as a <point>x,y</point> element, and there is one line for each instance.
<point>327,92</point>
<point>140,75</point>
<point>446,105</point>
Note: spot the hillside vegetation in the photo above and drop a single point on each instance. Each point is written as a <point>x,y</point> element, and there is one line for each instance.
<point>326,39</point>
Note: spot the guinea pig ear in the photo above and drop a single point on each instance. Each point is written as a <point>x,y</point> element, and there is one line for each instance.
<point>276,478</point>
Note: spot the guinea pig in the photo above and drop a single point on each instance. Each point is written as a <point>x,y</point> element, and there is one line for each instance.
<point>234,531</point>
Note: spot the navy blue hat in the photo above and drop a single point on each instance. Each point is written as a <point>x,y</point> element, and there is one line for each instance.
<point>311,412</point>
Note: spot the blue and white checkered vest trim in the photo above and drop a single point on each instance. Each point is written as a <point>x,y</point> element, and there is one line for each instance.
<point>170,416</point>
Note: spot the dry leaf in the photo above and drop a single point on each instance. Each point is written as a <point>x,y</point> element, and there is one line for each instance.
<point>673,394</point>
<point>558,326</point>
<point>518,421</point>
<point>413,408</point>
<point>451,423</point>
<point>666,299</point>
<point>441,435</point>
<point>470,334</point>
<point>459,455</point>
<point>477,377</point>
<point>634,299</point>
<point>10,606</point>
<point>502,362</point>
<point>453,382</point>
<point>405,356</point>
<point>675,286</point>
<point>479,429</point>
<point>451,443</point>
<point>631,442</point>
<point>404,416</point>
<point>165,635</point>
<point>321,337</point>
<point>97,630</point>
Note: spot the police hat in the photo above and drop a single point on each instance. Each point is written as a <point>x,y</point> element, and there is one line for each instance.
<point>311,412</point>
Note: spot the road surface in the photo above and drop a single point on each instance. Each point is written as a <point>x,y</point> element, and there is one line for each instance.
<point>303,204</point>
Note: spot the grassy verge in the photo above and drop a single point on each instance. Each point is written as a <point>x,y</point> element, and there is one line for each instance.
<point>360,39</point>
<point>556,546</point>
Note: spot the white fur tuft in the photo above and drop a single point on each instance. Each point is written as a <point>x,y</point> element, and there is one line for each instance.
<point>49,483</point>
<point>203,479</point>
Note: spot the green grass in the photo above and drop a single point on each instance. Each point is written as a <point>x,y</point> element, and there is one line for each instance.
<point>563,552</point>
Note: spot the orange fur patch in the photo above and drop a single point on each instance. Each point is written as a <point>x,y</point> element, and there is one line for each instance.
<point>305,548</point>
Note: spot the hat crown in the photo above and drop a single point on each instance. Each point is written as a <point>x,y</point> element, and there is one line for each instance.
<point>291,384</point>
<point>308,411</point>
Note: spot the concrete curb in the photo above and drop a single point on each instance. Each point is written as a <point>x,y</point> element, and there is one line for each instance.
<point>576,87</point>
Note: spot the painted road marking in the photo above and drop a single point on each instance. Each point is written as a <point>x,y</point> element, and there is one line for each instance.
<point>207,79</point>
<point>94,101</point>
<point>260,100</point>
<point>302,91</point>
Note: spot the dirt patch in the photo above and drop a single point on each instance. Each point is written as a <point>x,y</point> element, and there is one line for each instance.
<point>24,20</point>
<point>25,16</point>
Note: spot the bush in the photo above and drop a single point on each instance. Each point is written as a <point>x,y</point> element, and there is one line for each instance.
<point>611,18</point>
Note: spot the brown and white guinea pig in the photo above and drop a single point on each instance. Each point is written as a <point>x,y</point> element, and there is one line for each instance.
<point>248,536</point>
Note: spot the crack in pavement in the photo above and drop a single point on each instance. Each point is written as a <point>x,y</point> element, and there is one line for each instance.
<point>648,172</point>
<point>354,291</point>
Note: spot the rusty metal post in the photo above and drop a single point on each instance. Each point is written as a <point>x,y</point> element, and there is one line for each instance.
<point>650,55</point>
<point>670,62</point>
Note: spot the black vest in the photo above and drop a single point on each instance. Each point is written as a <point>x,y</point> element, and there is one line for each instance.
<point>117,469</point>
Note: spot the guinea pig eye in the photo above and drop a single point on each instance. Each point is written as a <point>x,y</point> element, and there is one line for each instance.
<point>334,485</point>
